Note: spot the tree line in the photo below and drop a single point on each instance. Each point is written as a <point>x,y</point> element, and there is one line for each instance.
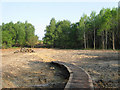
<point>18,34</point>
<point>97,31</point>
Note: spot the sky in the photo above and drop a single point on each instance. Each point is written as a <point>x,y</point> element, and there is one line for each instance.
<point>39,14</point>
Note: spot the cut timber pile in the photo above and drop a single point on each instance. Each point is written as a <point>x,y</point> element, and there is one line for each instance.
<point>23,50</point>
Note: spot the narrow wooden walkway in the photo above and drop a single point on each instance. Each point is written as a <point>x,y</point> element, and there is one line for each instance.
<point>79,78</point>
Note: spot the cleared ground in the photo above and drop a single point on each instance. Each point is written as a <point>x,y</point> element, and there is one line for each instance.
<point>22,70</point>
<point>102,65</point>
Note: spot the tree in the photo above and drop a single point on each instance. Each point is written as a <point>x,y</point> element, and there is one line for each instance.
<point>29,31</point>
<point>107,23</point>
<point>50,36</point>
<point>6,36</point>
<point>16,34</point>
<point>118,29</point>
<point>33,40</point>
<point>114,25</point>
<point>82,26</point>
<point>74,36</point>
<point>95,31</point>
<point>58,32</point>
<point>92,19</point>
<point>6,39</point>
<point>64,36</point>
<point>21,34</point>
<point>101,30</point>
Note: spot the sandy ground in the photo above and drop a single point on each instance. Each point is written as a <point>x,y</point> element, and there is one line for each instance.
<point>21,70</point>
<point>102,65</point>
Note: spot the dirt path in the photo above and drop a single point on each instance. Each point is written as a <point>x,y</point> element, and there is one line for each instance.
<point>102,65</point>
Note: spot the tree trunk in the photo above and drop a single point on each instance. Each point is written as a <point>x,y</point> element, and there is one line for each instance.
<point>103,40</point>
<point>113,38</point>
<point>94,38</point>
<point>94,34</point>
<point>87,43</point>
<point>106,39</point>
<point>84,41</point>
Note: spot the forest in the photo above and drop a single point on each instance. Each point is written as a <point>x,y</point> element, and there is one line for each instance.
<point>96,31</point>
<point>18,35</point>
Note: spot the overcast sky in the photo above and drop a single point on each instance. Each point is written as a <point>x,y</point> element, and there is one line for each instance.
<point>40,13</point>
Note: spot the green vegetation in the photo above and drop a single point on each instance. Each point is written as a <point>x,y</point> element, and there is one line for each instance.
<point>18,35</point>
<point>95,31</point>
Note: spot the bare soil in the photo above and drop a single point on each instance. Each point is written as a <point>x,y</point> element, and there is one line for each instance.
<point>22,70</point>
<point>32,69</point>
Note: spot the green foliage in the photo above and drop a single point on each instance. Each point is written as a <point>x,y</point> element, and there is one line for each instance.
<point>33,40</point>
<point>21,34</point>
<point>16,34</point>
<point>94,31</point>
<point>50,36</point>
<point>29,30</point>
